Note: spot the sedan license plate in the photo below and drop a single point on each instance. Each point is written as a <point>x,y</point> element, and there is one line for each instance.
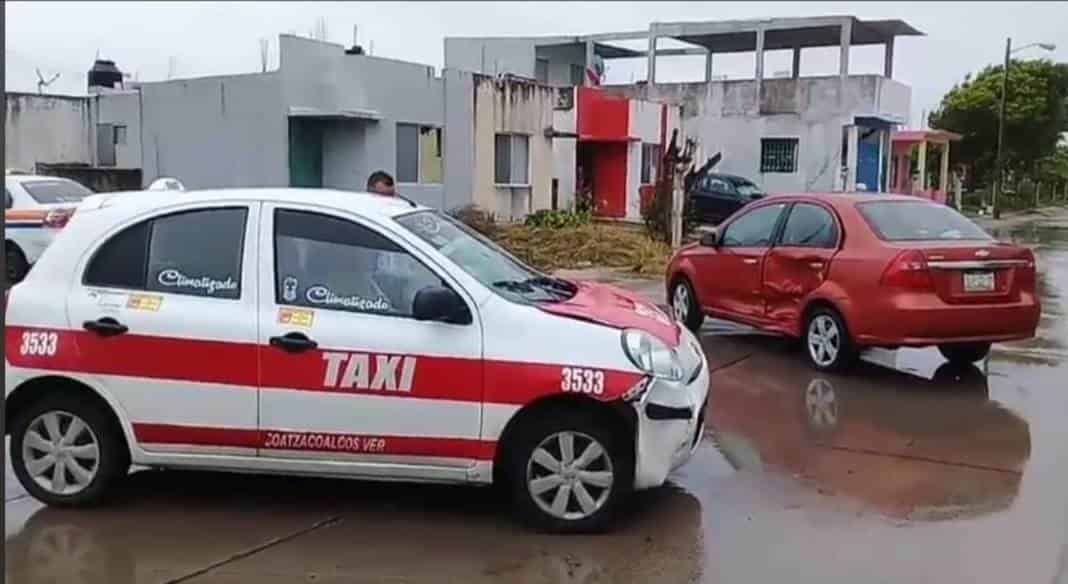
<point>979,281</point>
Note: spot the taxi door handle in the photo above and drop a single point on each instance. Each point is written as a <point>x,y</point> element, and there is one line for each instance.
<point>105,326</point>
<point>293,343</point>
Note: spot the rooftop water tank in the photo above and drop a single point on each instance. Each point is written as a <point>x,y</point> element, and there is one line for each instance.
<point>105,74</point>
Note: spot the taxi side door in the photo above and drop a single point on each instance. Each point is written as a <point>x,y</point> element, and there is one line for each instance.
<point>164,311</point>
<point>350,381</point>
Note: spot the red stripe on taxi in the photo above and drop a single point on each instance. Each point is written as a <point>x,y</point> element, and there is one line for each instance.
<point>243,364</point>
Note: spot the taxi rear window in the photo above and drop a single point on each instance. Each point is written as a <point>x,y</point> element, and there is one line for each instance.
<point>50,192</point>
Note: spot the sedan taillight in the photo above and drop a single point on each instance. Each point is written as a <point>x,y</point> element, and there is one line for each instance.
<point>58,218</point>
<point>908,270</point>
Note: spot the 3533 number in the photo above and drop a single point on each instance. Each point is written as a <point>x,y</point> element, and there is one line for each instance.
<point>39,343</point>
<point>579,380</point>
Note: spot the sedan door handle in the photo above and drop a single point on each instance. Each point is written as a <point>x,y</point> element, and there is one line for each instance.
<point>749,261</point>
<point>105,326</point>
<point>816,265</point>
<point>293,343</point>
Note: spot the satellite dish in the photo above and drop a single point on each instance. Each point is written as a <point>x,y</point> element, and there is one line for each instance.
<point>166,184</point>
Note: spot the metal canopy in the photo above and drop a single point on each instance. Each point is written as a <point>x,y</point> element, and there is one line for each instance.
<point>784,33</point>
<point>600,49</point>
<point>345,114</point>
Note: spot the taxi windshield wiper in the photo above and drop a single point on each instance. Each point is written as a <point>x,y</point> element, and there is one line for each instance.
<point>552,286</point>
<point>514,285</point>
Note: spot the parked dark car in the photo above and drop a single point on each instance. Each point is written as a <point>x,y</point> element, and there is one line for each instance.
<point>716,196</point>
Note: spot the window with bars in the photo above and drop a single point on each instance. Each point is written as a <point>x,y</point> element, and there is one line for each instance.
<point>778,155</point>
<point>650,162</point>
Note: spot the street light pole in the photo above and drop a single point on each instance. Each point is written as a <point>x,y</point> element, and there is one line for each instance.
<point>996,208</point>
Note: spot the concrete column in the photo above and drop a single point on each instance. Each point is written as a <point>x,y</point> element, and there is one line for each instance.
<point>797,63</point>
<point>843,54</point>
<point>852,144</point>
<point>888,58</point>
<point>708,65</point>
<point>878,187</point>
<point>922,166</point>
<point>591,60</point>
<point>759,69</point>
<point>652,55</point>
<point>943,172</point>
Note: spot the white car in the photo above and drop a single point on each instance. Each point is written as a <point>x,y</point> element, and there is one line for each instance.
<point>337,334</point>
<point>36,207</point>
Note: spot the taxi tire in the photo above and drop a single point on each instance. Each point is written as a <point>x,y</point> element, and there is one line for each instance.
<point>114,461</point>
<point>16,264</point>
<point>559,420</point>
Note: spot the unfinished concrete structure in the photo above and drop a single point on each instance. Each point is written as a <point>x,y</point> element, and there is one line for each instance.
<point>788,134</point>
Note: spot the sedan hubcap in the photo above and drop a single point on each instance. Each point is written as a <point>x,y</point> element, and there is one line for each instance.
<point>824,340</point>
<point>60,452</point>
<point>680,303</point>
<point>566,486</point>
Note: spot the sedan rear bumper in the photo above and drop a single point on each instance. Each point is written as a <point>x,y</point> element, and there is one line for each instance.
<point>912,321</point>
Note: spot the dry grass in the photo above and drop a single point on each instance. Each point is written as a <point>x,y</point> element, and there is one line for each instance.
<point>597,244</point>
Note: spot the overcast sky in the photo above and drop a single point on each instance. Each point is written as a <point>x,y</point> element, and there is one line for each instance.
<point>152,39</point>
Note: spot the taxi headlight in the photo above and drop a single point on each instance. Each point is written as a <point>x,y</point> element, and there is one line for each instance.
<point>651,355</point>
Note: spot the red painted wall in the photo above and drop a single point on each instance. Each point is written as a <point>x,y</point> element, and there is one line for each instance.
<point>602,117</point>
<point>610,179</point>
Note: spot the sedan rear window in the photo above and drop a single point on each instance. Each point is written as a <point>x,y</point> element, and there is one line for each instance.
<point>915,221</point>
<point>50,192</point>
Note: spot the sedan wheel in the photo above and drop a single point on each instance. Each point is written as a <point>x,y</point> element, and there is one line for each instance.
<point>827,342</point>
<point>684,305</point>
<point>824,340</point>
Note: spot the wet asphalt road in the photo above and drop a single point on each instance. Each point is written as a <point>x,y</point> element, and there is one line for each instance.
<point>903,470</point>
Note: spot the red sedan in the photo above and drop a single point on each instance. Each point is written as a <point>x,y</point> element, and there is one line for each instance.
<point>848,271</point>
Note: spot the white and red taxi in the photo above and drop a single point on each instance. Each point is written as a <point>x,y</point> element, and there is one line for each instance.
<point>35,209</point>
<point>336,334</point>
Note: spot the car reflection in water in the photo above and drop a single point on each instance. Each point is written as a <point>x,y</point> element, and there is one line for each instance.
<point>912,447</point>
<point>239,528</point>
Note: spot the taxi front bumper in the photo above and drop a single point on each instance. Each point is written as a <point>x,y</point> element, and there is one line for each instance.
<point>671,419</point>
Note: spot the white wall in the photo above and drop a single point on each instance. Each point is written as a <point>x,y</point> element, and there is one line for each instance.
<point>513,106</point>
<point>46,128</point>
<point>726,117</point>
<point>122,109</point>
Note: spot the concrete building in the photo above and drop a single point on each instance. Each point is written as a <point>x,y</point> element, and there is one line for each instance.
<point>787,133</point>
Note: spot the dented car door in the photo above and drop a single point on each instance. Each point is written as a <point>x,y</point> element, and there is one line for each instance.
<point>348,375</point>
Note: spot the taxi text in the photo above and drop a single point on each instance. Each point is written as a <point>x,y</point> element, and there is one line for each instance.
<point>369,372</point>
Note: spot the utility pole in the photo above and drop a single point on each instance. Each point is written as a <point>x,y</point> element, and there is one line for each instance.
<point>999,169</point>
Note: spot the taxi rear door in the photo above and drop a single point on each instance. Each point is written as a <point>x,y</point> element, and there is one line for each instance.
<point>347,374</point>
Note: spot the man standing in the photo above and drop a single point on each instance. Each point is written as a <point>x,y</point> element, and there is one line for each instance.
<point>380,183</point>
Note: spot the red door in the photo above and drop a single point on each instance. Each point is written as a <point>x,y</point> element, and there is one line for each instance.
<point>610,179</point>
<point>730,275</point>
<point>798,263</point>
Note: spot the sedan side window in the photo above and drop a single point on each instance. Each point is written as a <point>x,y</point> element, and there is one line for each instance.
<point>718,185</point>
<point>753,229</point>
<point>809,226</point>
<point>196,253</point>
<point>327,262</point>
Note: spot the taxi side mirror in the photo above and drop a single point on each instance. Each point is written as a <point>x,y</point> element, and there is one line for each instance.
<point>441,304</point>
<point>711,238</point>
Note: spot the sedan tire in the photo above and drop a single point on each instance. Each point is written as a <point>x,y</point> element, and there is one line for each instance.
<point>684,306</point>
<point>827,343</point>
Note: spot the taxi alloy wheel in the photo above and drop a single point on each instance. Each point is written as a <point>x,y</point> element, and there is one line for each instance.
<point>68,451</point>
<point>569,471</point>
<point>566,484</point>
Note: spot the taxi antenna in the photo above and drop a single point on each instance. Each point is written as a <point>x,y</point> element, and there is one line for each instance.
<point>406,199</point>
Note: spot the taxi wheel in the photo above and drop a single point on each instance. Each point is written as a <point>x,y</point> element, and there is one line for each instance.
<point>17,266</point>
<point>67,451</point>
<point>684,305</point>
<point>569,473</point>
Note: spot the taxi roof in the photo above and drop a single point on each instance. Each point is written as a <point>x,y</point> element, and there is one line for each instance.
<point>358,202</point>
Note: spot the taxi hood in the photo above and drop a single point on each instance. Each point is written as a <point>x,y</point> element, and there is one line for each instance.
<point>615,307</point>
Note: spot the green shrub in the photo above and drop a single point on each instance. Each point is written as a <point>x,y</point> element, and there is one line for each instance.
<point>557,218</point>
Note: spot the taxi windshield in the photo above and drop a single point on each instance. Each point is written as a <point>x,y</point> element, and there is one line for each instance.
<point>484,260</point>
